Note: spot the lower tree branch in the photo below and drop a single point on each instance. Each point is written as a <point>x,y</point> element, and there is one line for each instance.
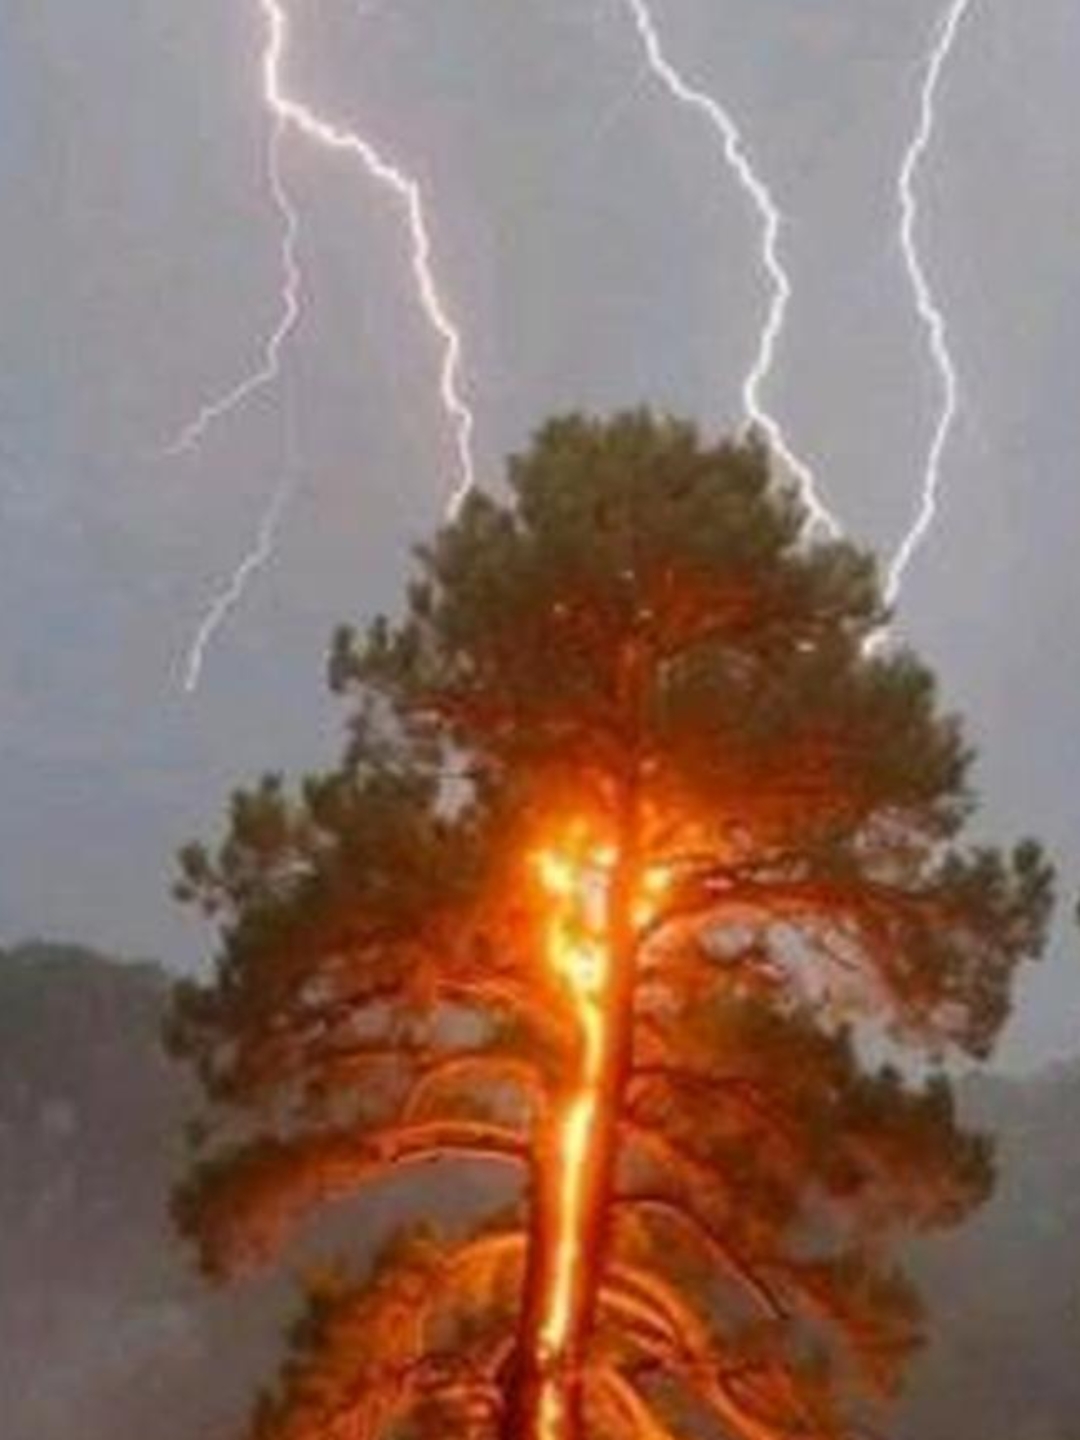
<point>705,1235</point>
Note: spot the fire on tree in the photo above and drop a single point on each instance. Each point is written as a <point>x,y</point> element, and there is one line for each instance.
<point>637,863</point>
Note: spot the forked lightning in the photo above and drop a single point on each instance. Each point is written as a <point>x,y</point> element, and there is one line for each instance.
<point>268,372</point>
<point>930,312</point>
<point>229,597</point>
<point>290,113</point>
<point>741,164</point>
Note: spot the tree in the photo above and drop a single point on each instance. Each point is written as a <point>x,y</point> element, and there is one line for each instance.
<point>637,856</point>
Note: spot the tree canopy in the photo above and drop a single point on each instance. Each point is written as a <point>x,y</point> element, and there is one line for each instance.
<point>639,859</point>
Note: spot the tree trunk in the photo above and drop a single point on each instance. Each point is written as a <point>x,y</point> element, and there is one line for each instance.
<point>571,1206</point>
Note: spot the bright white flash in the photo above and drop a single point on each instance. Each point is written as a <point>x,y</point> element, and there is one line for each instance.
<point>290,113</point>
<point>930,312</point>
<point>740,162</point>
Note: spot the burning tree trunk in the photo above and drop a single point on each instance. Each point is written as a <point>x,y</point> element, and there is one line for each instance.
<point>592,884</point>
<point>591,946</point>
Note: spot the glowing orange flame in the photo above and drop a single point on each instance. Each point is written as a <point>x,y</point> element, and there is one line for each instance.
<point>576,879</point>
<point>578,954</point>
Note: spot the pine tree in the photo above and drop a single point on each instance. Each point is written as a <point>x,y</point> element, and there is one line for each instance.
<point>641,870</point>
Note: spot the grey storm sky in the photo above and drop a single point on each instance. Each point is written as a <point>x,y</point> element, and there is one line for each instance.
<point>596,253</point>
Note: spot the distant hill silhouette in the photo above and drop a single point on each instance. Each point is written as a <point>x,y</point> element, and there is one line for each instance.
<point>105,1329</point>
<point>1004,1358</point>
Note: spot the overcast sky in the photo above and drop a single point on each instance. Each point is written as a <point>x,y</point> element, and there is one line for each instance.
<point>596,253</point>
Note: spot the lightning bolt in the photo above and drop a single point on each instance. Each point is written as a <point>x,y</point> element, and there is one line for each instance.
<point>223,604</point>
<point>741,164</point>
<point>930,312</point>
<point>291,113</point>
<point>268,372</point>
<point>406,190</point>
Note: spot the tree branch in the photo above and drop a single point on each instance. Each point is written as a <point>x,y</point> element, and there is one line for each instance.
<point>643,1422</point>
<point>488,1066</point>
<point>712,1241</point>
<point>244,1203</point>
